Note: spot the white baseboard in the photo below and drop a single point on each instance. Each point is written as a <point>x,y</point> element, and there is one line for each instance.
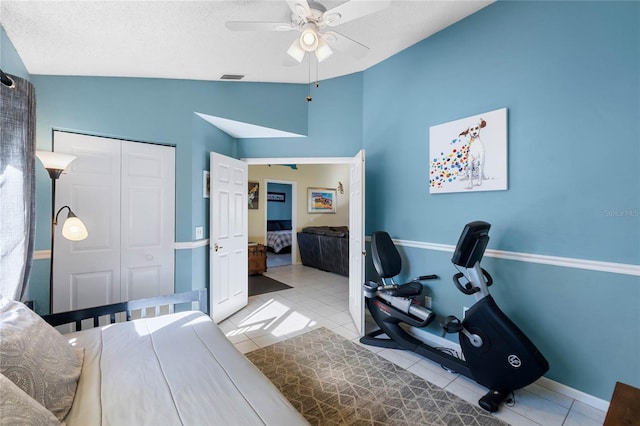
<point>546,383</point>
<point>565,390</point>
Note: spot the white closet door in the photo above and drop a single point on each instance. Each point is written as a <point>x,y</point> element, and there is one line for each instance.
<point>147,226</point>
<point>124,192</point>
<point>87,273</point>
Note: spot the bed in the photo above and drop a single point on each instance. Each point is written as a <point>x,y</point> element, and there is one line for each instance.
<point>177,368</point>
<point>279,236</point>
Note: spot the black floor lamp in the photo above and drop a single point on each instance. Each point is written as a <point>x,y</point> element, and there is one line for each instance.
<point>73,228</point>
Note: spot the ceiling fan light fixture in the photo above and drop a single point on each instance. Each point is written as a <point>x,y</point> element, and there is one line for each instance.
<point>309,38</point>
<point>295,51</point>
<point>323,51</point>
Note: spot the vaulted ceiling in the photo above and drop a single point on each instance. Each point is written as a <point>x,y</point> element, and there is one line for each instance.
<point>189,39</point>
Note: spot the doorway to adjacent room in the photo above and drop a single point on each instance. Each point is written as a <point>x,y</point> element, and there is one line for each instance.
<point>280,207</point>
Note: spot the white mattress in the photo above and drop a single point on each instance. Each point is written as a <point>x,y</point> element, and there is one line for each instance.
<point>171,370</point>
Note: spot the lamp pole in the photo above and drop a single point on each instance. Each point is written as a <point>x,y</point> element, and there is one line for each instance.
<point>53,233</point>
<point>54,174</point>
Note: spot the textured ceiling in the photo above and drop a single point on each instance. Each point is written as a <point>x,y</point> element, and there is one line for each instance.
<point>189,40</point>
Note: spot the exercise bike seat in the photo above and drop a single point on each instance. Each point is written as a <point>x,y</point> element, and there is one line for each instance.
<point>388,264</point>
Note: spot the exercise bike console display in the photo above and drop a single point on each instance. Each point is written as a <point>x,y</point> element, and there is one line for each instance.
<point>471,244</point>
<point>496,352</point>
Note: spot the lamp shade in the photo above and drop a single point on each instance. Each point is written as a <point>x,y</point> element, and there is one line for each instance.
<point>54,162</point>
<point>73,229</point>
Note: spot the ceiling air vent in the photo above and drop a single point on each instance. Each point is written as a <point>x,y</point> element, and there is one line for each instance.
<point>231,77</point>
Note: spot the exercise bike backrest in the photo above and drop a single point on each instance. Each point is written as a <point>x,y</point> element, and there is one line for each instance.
<point>386,258</point>
<point>468,254</point>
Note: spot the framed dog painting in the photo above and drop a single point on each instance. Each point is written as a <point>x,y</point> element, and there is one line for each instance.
<point>469,154</point>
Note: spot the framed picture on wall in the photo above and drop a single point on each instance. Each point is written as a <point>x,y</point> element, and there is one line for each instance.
<point>280,197</point>
<point>321,200</point>
<point>253,195</point>
<point>469,154</point>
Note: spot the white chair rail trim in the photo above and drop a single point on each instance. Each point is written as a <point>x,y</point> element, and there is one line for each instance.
<point>567,262</point>
<point>188,245</point>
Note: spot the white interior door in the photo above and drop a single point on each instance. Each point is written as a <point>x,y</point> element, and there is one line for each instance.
<point>356,242</point>
<point>228,236</point>
<point>124,193</point>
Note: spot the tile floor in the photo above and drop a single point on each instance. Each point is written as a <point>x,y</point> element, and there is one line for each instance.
<point>320,299</point>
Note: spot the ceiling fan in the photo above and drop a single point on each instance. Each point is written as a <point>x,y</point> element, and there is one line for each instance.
<point>314,21</point>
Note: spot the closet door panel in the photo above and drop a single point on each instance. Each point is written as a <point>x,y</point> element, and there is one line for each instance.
<point>148,231</point>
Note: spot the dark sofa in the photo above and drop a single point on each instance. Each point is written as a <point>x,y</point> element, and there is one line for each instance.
<point>325,247</point>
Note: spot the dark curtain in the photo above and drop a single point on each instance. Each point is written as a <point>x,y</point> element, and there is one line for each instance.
<point>17,184</point>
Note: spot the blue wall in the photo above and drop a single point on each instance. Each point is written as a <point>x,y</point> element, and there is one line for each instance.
<point>277,210</point>
<point>335,124</point>
<point>10,61</point>
<point>569,74</point>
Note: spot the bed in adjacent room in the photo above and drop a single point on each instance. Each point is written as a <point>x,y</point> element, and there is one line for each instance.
<point>279,236</point>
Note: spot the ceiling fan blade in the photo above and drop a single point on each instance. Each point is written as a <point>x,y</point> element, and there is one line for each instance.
<point>344,44</point>
<point>300,8</point>
<point>351,10</point>
<point>258,26</point>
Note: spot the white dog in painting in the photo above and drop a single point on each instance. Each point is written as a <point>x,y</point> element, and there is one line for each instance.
<point>475,154</point>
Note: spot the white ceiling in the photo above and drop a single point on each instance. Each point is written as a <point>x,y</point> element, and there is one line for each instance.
<point>189,40</point>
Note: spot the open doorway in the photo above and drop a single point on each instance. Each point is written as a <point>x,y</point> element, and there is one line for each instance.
<point>279,212</point>
<point>354,215</point>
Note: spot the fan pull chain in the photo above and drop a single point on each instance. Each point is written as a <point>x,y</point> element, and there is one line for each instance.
<point>309,98</point>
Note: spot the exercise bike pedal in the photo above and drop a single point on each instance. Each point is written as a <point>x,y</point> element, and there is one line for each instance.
<point>492,400</point>
<point>452,324</point>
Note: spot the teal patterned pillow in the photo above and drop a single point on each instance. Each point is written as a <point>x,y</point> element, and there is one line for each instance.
<point>37,358</point>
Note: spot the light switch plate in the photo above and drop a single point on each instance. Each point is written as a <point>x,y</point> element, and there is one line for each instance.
<point>199,232</point>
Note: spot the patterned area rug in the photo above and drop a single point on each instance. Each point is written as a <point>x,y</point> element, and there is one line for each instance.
<point>333,381</point>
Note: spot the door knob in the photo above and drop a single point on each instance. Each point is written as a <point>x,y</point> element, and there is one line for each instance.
<point>216,247</point>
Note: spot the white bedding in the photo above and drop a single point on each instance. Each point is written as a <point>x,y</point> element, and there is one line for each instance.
<point>173,369</point>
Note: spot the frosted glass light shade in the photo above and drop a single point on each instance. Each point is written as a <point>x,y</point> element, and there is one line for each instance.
<point>323,51</point>
<point>295,51</point>
<point>54,162</point>
<point>73,228</point>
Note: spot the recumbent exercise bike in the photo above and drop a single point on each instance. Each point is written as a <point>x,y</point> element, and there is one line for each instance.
<point>496,352</point>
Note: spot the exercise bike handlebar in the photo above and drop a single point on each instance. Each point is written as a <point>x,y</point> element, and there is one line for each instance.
<point>426,277</point>
<point>469,288</point>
